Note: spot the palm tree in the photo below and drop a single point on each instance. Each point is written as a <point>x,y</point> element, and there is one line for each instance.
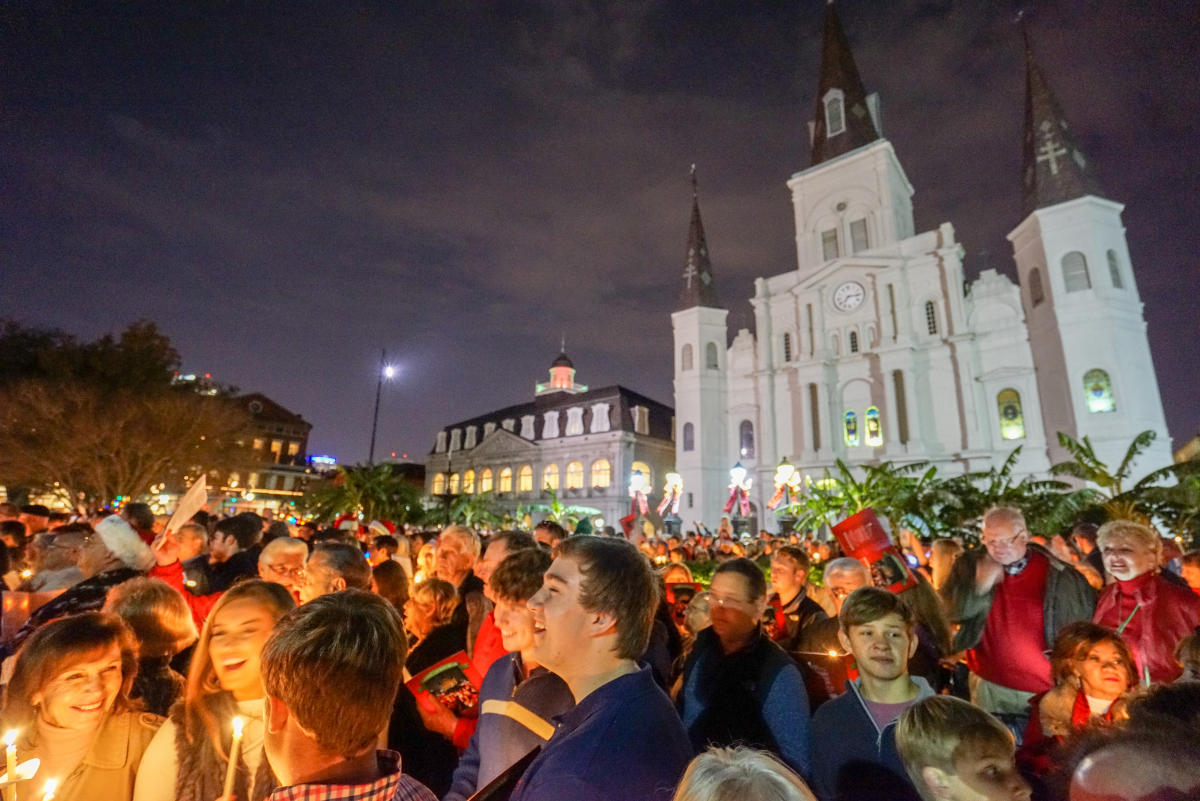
<point>376,492</point>
<point>1112,495</point>
<point>568,516</point>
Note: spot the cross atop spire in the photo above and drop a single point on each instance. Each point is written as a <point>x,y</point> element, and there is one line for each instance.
<point>698,287</point>
<point>843,121</point>
<point>1055,170</point>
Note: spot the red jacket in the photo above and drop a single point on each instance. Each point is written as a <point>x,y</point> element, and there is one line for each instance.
<point>200,605</point>
<point>1167,614</point>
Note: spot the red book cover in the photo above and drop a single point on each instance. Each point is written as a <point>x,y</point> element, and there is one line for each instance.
<point>864,538</point>
<point>454,683</point>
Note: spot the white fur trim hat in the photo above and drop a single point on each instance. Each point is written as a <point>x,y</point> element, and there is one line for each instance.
<point>124,543</point>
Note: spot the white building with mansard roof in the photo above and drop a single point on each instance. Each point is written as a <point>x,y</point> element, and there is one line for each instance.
<point>874,348</point>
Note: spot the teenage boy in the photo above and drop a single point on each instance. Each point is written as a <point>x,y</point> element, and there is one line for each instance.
<point>954,751</point>
<point>854,744</point>
<point>791,606</point>
<point>592,619</point>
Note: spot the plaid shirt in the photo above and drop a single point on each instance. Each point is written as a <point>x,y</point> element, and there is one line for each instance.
<point>394,786</point>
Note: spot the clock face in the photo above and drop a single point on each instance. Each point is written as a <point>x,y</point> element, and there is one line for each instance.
<point>848,296</point>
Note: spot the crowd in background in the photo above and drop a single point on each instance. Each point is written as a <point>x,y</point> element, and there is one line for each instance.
<point>705,665</point>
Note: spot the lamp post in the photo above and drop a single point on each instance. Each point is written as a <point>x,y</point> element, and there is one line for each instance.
<point>739,496</point>
<point>787,478</point>
<point>385,371</point>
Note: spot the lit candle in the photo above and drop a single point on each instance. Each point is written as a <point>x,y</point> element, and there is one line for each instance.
<point>10,756</point>
<point>234,746</point>
<point>48,793</point>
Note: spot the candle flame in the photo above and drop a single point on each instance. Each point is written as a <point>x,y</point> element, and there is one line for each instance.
<point>10,738</point>
<point>238,725</point>
<point>51,786</point>
<point>833,653</point>
<point>26,573</point>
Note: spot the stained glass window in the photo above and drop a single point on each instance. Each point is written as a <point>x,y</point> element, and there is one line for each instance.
<point>851,426</point>
<point>874,428</point>
<point>746,438</point>
<point>1098,388</point>
<point>1012,418</point>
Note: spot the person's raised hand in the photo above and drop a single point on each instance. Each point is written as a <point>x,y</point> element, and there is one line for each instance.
<point>166,548</point>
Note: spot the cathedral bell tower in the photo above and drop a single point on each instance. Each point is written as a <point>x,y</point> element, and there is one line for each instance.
<point>1095,374</point>
<point>699,331</point>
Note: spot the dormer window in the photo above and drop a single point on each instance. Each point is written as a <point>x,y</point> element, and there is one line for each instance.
<point>835,113</point>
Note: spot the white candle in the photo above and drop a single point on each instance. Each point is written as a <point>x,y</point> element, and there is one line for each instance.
<point>10,756</point>
<point>234,746</point>
<point>48,793</point>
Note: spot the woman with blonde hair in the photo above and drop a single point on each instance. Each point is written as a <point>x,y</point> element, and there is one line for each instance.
<point>740,774</point>
<point>69,698</point>
<point>162,622</point>
<point>188,758</point>
<point>428,616</point>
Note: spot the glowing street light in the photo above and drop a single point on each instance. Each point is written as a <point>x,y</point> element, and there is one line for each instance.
<point>385,371</point>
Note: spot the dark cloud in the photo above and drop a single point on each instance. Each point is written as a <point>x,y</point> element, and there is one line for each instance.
<point>287,189</point>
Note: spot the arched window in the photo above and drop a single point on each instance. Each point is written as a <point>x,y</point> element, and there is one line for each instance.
<point>853,341</point>
<point>931,318</point>
<point>644,469</point>
<point>746,439</point>
<point>1098,389</point>
<point>787,347</point>
<point>468,482</point>
<point>1075,272</point>
<point>575,475</point>
<point>601,474</point>
<point>874,428</point>
<point>711,361</point>
<point>525,479</point>
<point>453,489</point>
<point>689,437</point>
<point>439,484</point>
<point>1114,270</point>
<point>550,477</point>
<point>851,429</point>
<point>485,480</point>
<point>835,113</point>
<point>1036,293</point>
<point>1012,418</point>
<point>505,480</point>
<point>685,358</point>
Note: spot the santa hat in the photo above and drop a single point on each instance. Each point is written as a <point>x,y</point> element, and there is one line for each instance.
<point>124,543</point>
<point>346,523</point>
<point>380,528</point>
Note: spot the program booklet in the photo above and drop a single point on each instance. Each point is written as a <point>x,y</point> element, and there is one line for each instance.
<point>864,538</point>
<point>454,683</point>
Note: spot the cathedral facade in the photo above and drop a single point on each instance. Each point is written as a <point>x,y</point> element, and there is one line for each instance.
<point>875,348</point>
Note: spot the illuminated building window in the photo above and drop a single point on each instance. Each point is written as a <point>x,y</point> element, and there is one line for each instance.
<point>439,483</point>
<point>485,480</point>
<point>874,428</point>
<point>644,469</point>
<point>1075,272</point>
<point>851,429</point>
<point>601,474</point>
<point>293,448</point>
<point>505,480</point>
<point>574,421</point>
<point>746,439</point>
<point>453,489</point>
<point>258,443</point>
<point>689,437</point>
<point>575,475</point>
<point>1012,418</point>
<point>550,477</point>
<point>468,482</point>
<point>525,479</point>
<point>550,425</point>
<point>1098,388</point>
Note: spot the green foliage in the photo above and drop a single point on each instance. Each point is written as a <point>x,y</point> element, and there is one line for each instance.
<point>567,516</point>
<point>377,492</point>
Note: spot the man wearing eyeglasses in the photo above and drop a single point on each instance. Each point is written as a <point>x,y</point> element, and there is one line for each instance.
<point>738,686</point>
<point>1011,598</point>
<point>282,561</point>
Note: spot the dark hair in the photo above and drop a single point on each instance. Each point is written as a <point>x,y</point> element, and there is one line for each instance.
<point>1073,642</point>
<point>242,529</point>
<point>336,664</point>
<point>140,515</point>
<point>35,509</point>
<point>385,542</point>
<point>756,582</point>
<point>277,529</point>
<point>868,604</point>
<point>519,576</point>
<point>15,529</point>
<point>1086,530</point>
<point>618,580</point>
<point>795,553</point>
<point>58,644</point>
<point>391,582</point>
<point>347,561</point>
<point>514,540</point>
<point>557,532</point>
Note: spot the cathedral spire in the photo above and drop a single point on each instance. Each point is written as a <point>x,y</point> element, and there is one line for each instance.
<point>698,287</point>
<point>1055,170</point>
<point>843,121</point>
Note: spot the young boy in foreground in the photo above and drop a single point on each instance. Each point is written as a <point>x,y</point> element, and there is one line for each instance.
<point>954,751</point>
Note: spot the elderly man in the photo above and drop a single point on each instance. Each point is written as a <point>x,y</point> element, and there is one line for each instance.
<point>112,554</point>
<point>282,561</point>
<point>333,567</point>
<point>1155,613</point>
<point>458,549</point>
<point>1011,598</point>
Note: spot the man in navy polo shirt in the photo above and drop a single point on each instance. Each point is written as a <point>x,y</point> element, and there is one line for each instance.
<point>592,618</point>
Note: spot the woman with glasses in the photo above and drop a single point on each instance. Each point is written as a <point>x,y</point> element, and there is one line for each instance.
<point>188,758</point>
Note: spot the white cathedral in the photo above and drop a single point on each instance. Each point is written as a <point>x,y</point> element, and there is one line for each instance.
<point>871,350</point>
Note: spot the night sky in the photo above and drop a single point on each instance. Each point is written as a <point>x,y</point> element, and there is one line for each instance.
<point>286,188</point>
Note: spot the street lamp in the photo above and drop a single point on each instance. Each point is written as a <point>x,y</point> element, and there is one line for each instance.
<point>386,371</point>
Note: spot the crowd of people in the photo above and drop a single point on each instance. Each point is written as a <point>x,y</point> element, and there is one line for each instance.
<point>245,658</point>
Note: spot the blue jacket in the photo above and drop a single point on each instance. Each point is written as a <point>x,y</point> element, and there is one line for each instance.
<point>855,760</point>
<point>754,697</point>
<point>499,740</point>
<point>623,742</point>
